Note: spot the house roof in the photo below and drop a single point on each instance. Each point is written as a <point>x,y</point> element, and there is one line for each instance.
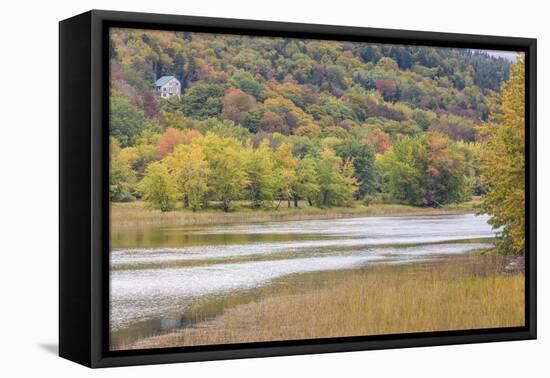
<point>163,80</point>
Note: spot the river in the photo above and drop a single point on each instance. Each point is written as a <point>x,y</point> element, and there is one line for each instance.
<point>159,276</point>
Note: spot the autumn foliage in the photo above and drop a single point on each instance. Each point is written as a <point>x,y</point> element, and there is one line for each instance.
<point>274,121</point>
<point>429,170</point>
<point>504,164</point>
<point>168,141</point>
<point>172,138</point>
<point>236,104</point>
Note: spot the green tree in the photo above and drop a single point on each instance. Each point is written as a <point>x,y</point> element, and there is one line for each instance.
<point>203,100</point>
<point>355,99</point>
<point>401,171</point>
<point>246,82</point>
<point>228,176</point>
<point>224,128</point>
<point>362,155</point>
<point>138,157</point>
<point>176,120</point>
<point>190,169</point>
<point>126,121</point>
<point>307,183</point>
<point>427,170</point>
<point>259,166</point>
<point>285,172</point>
<point>122,178</point>
<point>170,105</point>
<point>503,170</point>
<point>158,188</point>
<point>337,183</point>
<point>424,118</point>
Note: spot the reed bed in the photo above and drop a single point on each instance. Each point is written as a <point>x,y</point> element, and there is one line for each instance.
<point>135,214</point>
<point>468,292</point>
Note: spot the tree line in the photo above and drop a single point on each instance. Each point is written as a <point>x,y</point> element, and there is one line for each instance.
<point>315,123</point>
<point>185,166</point>
<point>222,169</point>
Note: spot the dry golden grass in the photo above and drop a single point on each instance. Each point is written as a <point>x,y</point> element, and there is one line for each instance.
<point>467,293</point>
<point>135,214</point>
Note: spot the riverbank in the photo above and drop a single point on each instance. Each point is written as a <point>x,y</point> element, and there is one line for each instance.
<point>135,214</point>
<point>460,292</point>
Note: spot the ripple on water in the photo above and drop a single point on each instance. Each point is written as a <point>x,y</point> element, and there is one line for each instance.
<point>145,287</point>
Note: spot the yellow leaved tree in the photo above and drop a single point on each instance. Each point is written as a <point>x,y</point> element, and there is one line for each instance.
<point>503,170</point>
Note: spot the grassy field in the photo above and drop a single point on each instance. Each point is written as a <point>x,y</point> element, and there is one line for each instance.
<point>135,214</point>
<point>464,292</point>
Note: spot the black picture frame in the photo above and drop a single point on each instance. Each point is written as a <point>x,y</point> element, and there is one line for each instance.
<point>84,205</point>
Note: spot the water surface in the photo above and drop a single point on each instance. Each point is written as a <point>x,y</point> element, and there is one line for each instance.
<point>160,275</point>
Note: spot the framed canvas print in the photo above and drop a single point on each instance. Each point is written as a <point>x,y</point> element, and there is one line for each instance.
<point>233,188</point>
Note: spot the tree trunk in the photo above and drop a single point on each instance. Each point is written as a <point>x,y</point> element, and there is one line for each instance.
<point>295,201</point>
<point>185,200</point>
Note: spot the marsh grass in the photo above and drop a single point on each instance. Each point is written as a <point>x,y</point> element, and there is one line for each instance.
<point>466,292</point>
<point>135,214</point>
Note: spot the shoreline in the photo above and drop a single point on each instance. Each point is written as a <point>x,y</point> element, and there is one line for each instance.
<point>135,215</point>
<point>460,290</point>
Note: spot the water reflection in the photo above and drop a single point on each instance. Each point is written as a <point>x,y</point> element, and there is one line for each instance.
<point>160,277</point>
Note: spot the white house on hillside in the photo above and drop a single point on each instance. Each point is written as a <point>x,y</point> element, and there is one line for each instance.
<point>168,86</point>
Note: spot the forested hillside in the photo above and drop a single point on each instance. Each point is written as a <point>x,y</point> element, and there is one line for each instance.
<point>267,120</point>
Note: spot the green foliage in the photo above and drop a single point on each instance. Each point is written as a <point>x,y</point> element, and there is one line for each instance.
<point>362,156</point>
<point>188,165</point>
<point>158,188</point>
<point>269,120</point>
<point>225,128</point>
<point>202,101</point>
<point>307,182</point>
<point>253,119</point>
<point>138,157</point>
<point>423,118</point>
<point>176,120</point>
<point>223,169</point>
<point>126,121</point>
<point>121,176</point>
<point>228,176</point>
<point>321,78</point>
<point>337,183</point>
<point>246,82</point>
<point>333,108</point>
<point>429,78</point>
<point>260,166</point>
<point>428,170</point>
<point>285,171</point>
<point>170,105</point>
<point>489,73</point>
